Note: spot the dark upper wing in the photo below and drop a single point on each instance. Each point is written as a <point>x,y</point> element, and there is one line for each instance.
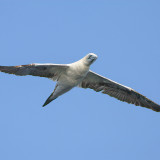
<point>42,70</point>
<point>114,89</point>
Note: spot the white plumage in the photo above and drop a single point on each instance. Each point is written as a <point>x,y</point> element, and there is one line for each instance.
<point>79,74</point>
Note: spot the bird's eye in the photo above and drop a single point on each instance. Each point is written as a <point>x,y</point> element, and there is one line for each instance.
<point>89,56</point>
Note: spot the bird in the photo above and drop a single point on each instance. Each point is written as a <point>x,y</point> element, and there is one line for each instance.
<point>78,74</point>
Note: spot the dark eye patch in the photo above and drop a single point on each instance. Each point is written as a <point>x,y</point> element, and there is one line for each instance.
<point>89,56</point>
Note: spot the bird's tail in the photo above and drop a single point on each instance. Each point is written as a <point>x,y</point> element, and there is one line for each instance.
<point>50,99</point>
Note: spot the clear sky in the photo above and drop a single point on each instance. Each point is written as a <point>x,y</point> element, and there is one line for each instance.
<point>82,124</point>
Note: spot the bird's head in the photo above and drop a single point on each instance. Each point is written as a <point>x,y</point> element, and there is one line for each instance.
<point>90,58</point>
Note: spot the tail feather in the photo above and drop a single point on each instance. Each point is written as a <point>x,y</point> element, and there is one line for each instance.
<point>50,99</point>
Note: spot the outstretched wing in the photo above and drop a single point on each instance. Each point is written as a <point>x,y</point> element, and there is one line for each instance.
<point>42,70</point>
<point>114,89</point>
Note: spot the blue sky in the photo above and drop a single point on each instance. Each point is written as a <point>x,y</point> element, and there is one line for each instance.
<point>81,124</point>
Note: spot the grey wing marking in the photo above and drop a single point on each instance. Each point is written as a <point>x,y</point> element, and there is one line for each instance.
<point>114,89</point>
<point>41,70</point>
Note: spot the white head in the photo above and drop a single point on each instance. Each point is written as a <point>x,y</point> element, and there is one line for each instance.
<point>90,58</point>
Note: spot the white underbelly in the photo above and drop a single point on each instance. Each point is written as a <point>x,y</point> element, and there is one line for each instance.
<point>72,78</point>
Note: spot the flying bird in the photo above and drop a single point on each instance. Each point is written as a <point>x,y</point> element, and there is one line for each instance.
<point>79,74</point>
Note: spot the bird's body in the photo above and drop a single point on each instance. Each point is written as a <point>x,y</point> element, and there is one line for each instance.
<point>79,74</point>
<point>77,71</point>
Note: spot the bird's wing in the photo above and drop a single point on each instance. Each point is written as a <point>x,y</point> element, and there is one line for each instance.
<point>42,70</point>
<point>114,89</point>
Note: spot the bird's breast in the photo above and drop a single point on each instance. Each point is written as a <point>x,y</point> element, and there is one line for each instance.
<point>74,75</point>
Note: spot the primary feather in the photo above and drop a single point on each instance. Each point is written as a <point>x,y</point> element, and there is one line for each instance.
<point>75,74</point>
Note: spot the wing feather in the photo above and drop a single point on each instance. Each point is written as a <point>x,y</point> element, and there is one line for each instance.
<point>41,70</point>
<point>114,89</point>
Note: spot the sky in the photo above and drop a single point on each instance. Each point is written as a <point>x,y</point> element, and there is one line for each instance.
<point>82,124</point>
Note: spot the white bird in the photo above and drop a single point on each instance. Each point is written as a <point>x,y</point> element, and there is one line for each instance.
<point>79,74</point>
